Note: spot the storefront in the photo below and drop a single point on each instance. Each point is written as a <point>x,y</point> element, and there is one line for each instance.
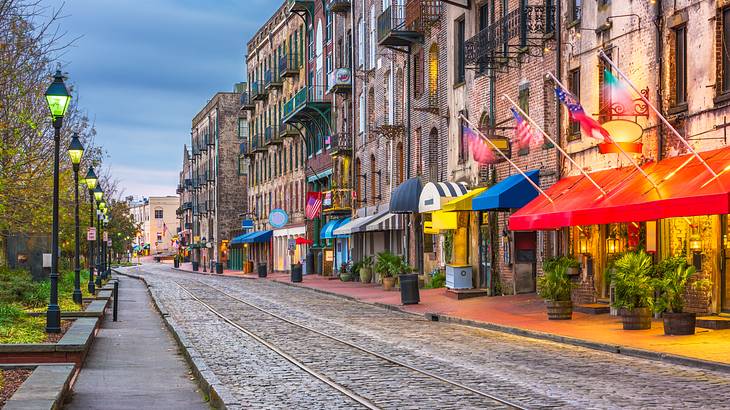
<point>674,207</point>
<point>433,197</point>
<point>286,253</point>
<point>334,247</point>
<point>362,242</point>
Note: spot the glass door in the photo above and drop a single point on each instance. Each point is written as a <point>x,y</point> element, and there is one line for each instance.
<point>724,279</point>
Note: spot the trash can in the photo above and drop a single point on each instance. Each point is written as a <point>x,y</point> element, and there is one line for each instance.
<point>196,266</point>
<point>296,273</point>
<point>219,268</point>
<point>176,263</point>
<point>262,270</point>
<point>310,263</point>
<point>409,294</point>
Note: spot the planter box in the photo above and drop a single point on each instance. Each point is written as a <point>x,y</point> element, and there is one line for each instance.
<point>72,348</point>
<point>46,388</point>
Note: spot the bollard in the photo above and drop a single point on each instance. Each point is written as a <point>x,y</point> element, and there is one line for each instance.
<point>116,299</point>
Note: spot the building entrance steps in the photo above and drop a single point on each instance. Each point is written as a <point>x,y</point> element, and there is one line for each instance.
<point>134,363</point>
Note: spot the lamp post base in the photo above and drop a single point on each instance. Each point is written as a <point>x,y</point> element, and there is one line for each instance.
<point>53,319</point>
<point>92,287</point>
<point>78,297</point>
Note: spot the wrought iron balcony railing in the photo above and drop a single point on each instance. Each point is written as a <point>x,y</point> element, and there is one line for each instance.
<point>246,102</point>
<point>287,131</point>
<point>403,25</point>
<point>314,94</point>
<point>339,6</point>
<point>258,91</point>
<point>337,200</point>
<point>289,65</point>
<point>271,135</point>
<point>341,144</point>
<point>272,80</point>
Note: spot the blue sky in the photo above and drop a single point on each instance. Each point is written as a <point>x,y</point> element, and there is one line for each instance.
<point>144,68</point>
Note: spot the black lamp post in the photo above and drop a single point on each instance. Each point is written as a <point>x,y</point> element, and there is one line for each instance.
<point>57,97</point>
<point>76,151</point>
<point>107,254</point>
<point>91,181</point>
<point>99,206</point>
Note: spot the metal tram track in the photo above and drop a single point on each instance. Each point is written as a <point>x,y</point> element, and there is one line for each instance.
<point>346,391</point>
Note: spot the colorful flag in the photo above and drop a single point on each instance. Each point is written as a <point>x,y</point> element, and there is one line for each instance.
<point>619,93</point>
<point>314,204</point>
<point>588,125</point>
<point>480,149</point>
<point>523,131</point>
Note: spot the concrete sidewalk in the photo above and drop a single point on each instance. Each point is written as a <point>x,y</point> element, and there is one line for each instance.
<point>134,363</point>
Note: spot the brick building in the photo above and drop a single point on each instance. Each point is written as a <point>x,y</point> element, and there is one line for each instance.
<point>185,208</point>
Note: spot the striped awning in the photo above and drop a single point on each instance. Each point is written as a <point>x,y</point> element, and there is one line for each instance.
<point>387,222</point>
<point>357,225</point>
<point>328,229</point>
<point>434,195</point>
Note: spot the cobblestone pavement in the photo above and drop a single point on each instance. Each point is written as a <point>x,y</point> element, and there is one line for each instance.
<point>533,373</point>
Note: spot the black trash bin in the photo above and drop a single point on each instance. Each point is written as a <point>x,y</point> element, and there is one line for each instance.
<point>196,266</point>
<point>176,263</point>
<point>296,273</point>
<point>262,270</point>
<point>409,294</point>
<point>219,268</point>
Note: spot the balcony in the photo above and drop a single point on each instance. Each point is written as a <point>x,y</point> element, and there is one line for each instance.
<point>243,148</point>
<point>339,81</point>
<point>257,144</point>
<point>179,189</point>
<point>341,144</point>
<point>401,26</point>
<point>203,208</point>
<point>337,201</point>
<point>188,225</point>
<point>511,36</point>
<point>300,5</point>
<point>340,6</point>
<point>287,131</point>
<point>289,65</point>
<point>188,183</point>
<point>203,144</point>
<point>271,135</point>
<point>308,102</point>
<point>258,92</point>
<point>187,206</point>
<point>246,102</point>
<point>272,80</point>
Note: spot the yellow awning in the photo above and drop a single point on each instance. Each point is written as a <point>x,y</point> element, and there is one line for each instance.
<point>463,203</point>
<point>441,220</point>
<point>428,228</point>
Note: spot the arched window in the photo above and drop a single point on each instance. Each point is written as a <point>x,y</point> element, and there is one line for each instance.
<point>371,110</point>
<point>417,151</point>
<point>399,101</point>
<point>358,181</point>
<point>433,160</point>
<point>433,75</point>
<point>399,174</point>
<point>386,97</point>
<point>373,187</point>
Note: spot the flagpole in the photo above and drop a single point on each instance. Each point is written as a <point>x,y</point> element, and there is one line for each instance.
<point>661,117</point>
<point>625,154</point>
<point>534,124</point>
<point>482,136</point>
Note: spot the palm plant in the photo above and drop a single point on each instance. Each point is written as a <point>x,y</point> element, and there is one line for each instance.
<point>555,283</point>
<point>631,276</point>
<point>672,286</point>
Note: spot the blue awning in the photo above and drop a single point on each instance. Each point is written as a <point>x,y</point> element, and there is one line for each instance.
<point>239,239</point>
<point>404,198</point>
<point>258,237</point>
<point>328,229</point>
<point>511,193</point>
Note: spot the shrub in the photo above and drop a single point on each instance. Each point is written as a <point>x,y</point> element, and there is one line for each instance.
<point>555,283</point>
<point>634,287</point>
<point>672,286</point>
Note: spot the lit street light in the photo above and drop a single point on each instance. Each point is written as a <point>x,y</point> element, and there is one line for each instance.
<point>91,183</point>
<point>76,151</point>
<point>58,98</point>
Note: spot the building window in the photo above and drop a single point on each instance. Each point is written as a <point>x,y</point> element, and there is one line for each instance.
<point>725,50</point>
<point>360,42</point>
<point>680,65</point>
<point>329,25</point>
<point>574,88</point>
<point>373,39</point>
<point>524,103</point>
<point>418,74</point>
<point>463,143</point>
<point>361,122</point>
<point>460,31</point>
<point>158,213</point>
<point>433,75</point>
<point>242,128</point>
<point>373,170</point>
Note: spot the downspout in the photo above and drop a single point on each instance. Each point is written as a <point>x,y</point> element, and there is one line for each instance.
<point>407,137</point>
<point>658,22</point>
<point>353,181</point>
<point>560,245</point>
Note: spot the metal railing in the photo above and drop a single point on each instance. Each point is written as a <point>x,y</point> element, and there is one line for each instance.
<point>258,91</point>
<point>339,6</point>
<point>337,200</point>
<point>271,79</point>
<point>311,94</point>
<point>341,143</point>
<point>289,64</point>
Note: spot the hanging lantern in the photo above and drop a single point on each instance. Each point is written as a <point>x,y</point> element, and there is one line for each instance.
<point>695,243</point>
<point>612,245</point>
<point>583,245</point>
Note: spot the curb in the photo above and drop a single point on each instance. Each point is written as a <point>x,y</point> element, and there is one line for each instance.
<point>219,395</point>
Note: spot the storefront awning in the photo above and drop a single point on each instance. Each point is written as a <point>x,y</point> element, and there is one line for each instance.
<point>328,229</point>
<point>435,195</point>
<point>387,222</point>
<point>685,188</point>
<point>258,237</point>
<point>238,239</point>
<point>463,203</point>
<point>404,198</point>
<point>512,192</point>
<point>357,225</point>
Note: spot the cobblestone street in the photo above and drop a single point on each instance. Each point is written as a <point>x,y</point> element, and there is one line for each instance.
<point>526,372</point>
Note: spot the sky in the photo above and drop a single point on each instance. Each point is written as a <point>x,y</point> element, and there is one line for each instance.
<point>144,68</point>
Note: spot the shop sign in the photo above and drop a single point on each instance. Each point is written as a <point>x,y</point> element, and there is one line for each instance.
<point>278,218</point>
<point>106,236</point>
<point>91,234</point>
<point>247,224</point>
<point>291,245</point>
<point>329,255</point>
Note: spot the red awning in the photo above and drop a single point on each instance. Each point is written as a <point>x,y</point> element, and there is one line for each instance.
<point>630,197</point>
<point>303,241</point>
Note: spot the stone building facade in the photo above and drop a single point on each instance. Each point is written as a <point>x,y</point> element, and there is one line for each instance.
<point>185,208</point>
<point>219,189</point>
<point>157,219</point>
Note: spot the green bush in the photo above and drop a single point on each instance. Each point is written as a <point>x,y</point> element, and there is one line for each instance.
<point>555,283</point>
<point>8,314</point>
<point>672,285</point>
<point>437,280</point>
<point>634,287</point>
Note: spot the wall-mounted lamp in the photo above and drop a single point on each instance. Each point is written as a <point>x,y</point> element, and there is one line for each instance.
<point>695,245</point>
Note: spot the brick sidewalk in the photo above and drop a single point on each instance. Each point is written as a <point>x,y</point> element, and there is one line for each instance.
<point>526,314</point>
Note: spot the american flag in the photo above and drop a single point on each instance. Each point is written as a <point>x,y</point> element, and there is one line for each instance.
<point>524,131</point>
<point>314,204</point>
<point>480,150</point>
<point>588,125</point>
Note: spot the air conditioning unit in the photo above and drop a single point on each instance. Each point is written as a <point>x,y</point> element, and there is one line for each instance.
<point>458,277</point>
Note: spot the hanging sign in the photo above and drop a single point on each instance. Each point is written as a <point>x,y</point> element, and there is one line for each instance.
<point>106,236</point>
<point>278,218</point>
<point>91,233</point>
<point>247,224</point>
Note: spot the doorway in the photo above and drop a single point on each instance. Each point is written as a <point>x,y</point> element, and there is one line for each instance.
<point>525,270</point>
<point>724,280</point>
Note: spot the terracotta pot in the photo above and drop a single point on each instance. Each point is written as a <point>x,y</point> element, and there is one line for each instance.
<point>573,271</point>
<point>388,283</point>
<point>636,318</point>
<point>366,275</point>
<point>559,309</point>
<point>679,323</point>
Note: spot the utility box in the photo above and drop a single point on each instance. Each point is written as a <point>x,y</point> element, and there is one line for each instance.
<point>458,277</point>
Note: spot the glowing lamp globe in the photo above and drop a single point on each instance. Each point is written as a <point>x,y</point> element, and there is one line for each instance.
<point>695,243</point>
<point>98,193</point>
<point>91,179</point>
<point>57,96</point>
<point>75,150</point>
<point>625,135</point>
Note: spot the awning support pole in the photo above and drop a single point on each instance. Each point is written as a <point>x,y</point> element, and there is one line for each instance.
<point>482,136</point>
<point>658,113</point>
<point>565,154</point>
<point>625,154</point>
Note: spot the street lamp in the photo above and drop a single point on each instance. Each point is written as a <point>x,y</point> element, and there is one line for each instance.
<point>57,97</point>
<point>76,151</point>
<point>108,254</point>
<point>91,183</point>
<point>100,204</point>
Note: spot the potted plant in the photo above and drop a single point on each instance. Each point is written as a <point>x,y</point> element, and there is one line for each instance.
<point>176,261</point>
<point>572,265</point>
<point>387,266</point>
<point>554,286</point>
<point>354,268</point>
<point>345,274</point>
<point>670,302</point>
<point>366,269</point>
<point>634,289</point>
